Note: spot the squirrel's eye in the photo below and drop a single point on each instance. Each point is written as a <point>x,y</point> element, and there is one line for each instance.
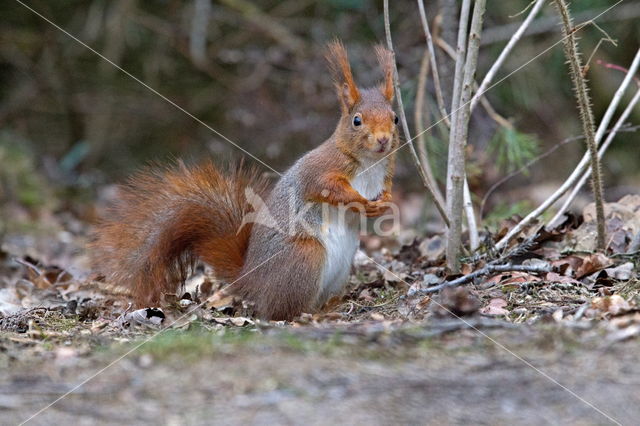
<point>357,120</point>
<point>395,120</point>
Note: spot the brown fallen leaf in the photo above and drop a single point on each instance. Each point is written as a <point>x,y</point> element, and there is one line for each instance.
<point>611,305</point>
<point>567,265</point>
<point>593,263</point>
<point>376,316</point>
<point>496,306</point>
<point>220,301</point>
<point>554,277</point>
<point>511,278</point>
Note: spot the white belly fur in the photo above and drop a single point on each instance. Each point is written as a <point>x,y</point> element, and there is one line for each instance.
<point>340,236</point>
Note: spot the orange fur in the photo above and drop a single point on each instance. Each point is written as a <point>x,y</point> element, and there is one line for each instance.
<point>292,277</point>
<point>385,59</point>
<point>166,219</point>
<point>339,64</point>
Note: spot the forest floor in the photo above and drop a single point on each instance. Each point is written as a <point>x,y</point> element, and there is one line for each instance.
<point>558,343</point>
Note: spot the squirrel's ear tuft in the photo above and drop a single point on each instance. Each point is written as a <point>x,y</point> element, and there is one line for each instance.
<point>385,58</point>
<point>339,64</point>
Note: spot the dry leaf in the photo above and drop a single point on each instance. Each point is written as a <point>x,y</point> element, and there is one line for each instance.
<point>376,316</point>
<point>593,263</point>
<point>557,315</point>
<point>236,321</point>
<point>220,301</point>
<point>496,306</point>
<point>567,265</point>
<point>622,272</point>
<point>432,248</point>
<point>612,305</point>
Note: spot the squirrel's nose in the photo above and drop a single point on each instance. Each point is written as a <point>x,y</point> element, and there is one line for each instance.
<point>383,140</point>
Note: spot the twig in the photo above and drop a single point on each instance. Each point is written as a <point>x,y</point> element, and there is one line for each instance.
<point>545,154</point>
<point>586,116</point>
<point>547,24</point>
<point>474,237</point>
<point>488,78</point>
<point>419,115</point>
<point>490,110</point>
<point>582,165</point>
<point>612,133</point>
<point>31,266</point>
<point>198,33</point>
<point>576,189</point>
<point>405,127</point>
<point>459,134</point>
<point>419,112</point>
<point>489,269</point>
<point>434,64</point>
<point>461,53</point>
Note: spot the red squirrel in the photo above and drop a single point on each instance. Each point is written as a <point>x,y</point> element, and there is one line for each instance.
<point>165,220</point>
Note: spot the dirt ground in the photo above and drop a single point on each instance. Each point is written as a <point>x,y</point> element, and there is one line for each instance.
<point>441,373</point>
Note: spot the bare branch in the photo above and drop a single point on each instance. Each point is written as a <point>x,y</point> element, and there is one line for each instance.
<point>474,237</point>
<point>405,127</point>
<point>533,161</point>
<point>612,133</point>
<point>434,65</point>
<point>488,78</point>
<point>419,114</point>
<point>605,145</point>
<point>490,110</point>
<point>459,133</point>
<point>461,53</point>
<point>548,24</point>
<point>582,165</point>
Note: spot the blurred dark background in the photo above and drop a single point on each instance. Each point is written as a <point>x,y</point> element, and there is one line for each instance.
<point>71,123</point>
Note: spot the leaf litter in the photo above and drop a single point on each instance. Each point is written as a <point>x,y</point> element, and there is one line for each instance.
<point>48,299</point>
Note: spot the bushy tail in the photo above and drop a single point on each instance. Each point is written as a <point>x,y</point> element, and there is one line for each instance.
<point>165,219</point>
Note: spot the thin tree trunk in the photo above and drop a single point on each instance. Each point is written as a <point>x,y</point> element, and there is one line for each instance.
<point>459,132</point>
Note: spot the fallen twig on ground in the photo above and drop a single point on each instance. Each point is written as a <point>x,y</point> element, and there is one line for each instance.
<point>489,269</point>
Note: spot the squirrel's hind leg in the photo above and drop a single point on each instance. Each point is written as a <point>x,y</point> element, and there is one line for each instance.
<point>286,285</point>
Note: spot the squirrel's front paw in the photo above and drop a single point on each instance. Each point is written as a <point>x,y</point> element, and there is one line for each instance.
<point>376,208</point>
<point>386,197</point>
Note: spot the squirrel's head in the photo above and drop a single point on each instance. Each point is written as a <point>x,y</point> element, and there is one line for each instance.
<point>368,125</point>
